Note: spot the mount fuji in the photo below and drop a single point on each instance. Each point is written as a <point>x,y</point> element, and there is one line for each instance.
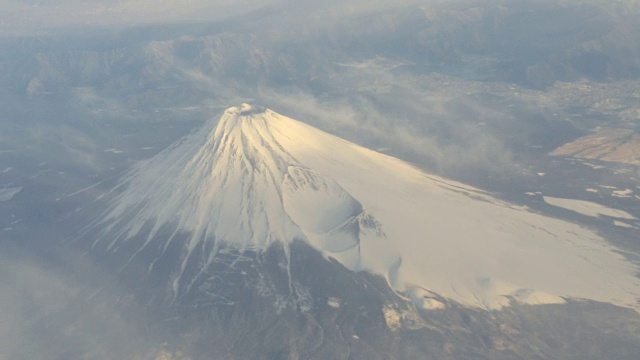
<point>255,179</point>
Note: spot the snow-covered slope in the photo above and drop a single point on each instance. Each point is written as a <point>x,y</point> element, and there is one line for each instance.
<point>259,177</point>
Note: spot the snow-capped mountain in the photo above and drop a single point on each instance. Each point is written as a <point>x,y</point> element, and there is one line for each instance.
<point>255,178</point>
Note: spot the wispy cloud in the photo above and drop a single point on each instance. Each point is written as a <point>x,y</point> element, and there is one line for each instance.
<point>440,132</point>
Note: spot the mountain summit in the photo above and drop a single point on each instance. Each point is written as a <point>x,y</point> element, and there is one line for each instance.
<point>256,178</point>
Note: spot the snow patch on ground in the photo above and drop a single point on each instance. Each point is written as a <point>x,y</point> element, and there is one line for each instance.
<point>622,193</point>
<point>334,302</point>
<point>7,193</point>
<point>623,224</point>
<point>392,318</point>
<point>587,208</point>
<point>594,166</point>
<point>114,151</point>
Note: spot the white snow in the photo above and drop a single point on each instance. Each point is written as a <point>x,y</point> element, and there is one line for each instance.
<point>623,224</point>
<point>594,166</point>
<point>392,317</point>
<point>259,177</point>
<point>7,193</point>
<point>622,193</point>
<point>587,208</point>
<point>114,151</point>
<point>425,300</point>
<point>334,302</point>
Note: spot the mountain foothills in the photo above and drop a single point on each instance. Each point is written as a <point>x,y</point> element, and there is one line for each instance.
<point>613,145</point>
<point>258,215</point>
<point>519,72</point>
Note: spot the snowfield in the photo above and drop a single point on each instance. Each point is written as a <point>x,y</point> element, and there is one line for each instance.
<point>587,208</point>
<point>255,177</point>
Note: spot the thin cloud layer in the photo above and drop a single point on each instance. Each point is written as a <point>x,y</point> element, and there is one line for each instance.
<point>46,313</point>
<point>28,17</point>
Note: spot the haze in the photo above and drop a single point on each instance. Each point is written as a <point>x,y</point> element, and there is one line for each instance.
<point>481,92</point>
